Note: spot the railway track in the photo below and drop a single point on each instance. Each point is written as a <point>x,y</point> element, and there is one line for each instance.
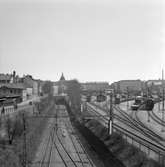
<point>79,147</point>
<point>60,146</point>
<point>136,124</point>
<point>64,154</point>
<point>43,160</point>
<point>157,119</point>
<point>76,157</point>
<point>146,143</point>
<point>133,124</point>
<point>59,150</point>
<point>141,127</point>
<point>142,124</point>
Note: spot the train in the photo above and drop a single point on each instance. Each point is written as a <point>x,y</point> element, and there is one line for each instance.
<point>143,103</point>
<point>88,98</point>
<point>101,98</point>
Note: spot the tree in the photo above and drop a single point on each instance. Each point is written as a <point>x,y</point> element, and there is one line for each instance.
<point>14,128</point>
<point>47,88</point>
<point>74,93</point>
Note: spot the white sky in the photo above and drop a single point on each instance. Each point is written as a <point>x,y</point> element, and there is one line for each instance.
<point>91,40</point>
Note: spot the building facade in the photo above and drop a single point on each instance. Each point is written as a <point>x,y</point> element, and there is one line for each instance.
<point>31,85</point>
<point>5,78</point>
<point>95,86</point>
<point>155,86</point>
<point>12,90</point>
<point>124,86</point>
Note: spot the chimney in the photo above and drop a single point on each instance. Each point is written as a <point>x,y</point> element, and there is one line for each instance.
<point>14,74</point>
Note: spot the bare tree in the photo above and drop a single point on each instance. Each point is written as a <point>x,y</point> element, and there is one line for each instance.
<point>13,127</point>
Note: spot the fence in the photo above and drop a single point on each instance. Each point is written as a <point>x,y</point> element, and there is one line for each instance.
<point>10,109</point>
<point>7,110</point>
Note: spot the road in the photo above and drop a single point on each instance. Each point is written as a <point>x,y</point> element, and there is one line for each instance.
<point>60,146</point>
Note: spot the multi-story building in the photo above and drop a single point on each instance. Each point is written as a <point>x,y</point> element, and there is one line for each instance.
<point>13,90</point>
<point>127,85</point>
<point>155,86</point>
<point>95,86</point>
<point>31,85</point>
<point>9,78</point>
<point>5,78</point>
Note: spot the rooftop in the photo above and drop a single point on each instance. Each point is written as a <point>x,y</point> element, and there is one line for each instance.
<point>5,76</point>
<point>13,85</point>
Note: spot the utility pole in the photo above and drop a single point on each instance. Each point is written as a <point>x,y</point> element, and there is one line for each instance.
<point>163,101</point>
<point>110,122</point>
<point>127,98</point>
<point>159,102</point>
<point>163,89</point>
<point>56,124</point>
<point>24,141</point>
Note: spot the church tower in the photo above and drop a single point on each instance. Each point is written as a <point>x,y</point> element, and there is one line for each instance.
<point>62,77</point>
<point>62,86</point>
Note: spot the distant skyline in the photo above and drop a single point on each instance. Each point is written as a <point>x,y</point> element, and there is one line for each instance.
<point>90,40</point>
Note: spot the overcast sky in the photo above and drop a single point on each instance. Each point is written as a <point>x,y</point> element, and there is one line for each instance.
<point>91,40</point>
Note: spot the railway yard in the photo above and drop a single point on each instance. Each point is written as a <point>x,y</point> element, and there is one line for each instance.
<point>61,146</point>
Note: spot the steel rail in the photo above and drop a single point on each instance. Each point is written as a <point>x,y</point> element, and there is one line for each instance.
<point>50,153</point>
<point>81,146</point>
<point>129,121</point>
<point>156,118</point>
<point>141,123</point>
<point>65,150</point>
<point>140,127</point>
<point>143,141</point>
<point>76,149</point>
<point>60,154</point>
<point>47,148</point>
<point>155,148</point>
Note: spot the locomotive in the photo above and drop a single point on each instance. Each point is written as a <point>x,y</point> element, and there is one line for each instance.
<point>143,103</point>
<point>117,99</point>
<point>88,98</point>
<point>100,98</point>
